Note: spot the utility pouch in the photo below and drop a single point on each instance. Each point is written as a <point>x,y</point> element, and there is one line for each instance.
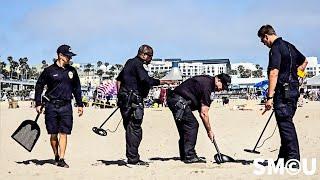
<point>181,107</point>
<point>286,90</point>
<point>124,99</point>
<point>138,110</point>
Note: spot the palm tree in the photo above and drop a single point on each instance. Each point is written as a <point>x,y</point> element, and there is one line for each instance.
<point>33,73</point>
<point>246,74</point>
<point>100,73</point>
<point>99,63</point>
<point>87,68</point>
<point>23,67</point>
<point>241,70</point>
<point>119,66</point>
<point>13,66</point>
<point>233,72</point>
<point>2,66</point>
<point>44,64</point>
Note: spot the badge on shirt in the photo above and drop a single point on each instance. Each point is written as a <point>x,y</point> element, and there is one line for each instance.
<point>212,96</point>
<point>70,74</point>
<point>146,67</point>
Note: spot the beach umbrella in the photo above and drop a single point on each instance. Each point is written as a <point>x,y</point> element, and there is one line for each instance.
<point>107,89</point>
<point>262,84</point>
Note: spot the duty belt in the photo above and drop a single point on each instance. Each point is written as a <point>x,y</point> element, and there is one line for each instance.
<point>60,102</point>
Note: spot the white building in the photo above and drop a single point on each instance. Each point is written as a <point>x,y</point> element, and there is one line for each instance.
<point>191,68</point>
<point>313,68</point>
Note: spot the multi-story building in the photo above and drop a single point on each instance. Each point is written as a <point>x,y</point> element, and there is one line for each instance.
<point>191,68</point>
<point>313,68</point>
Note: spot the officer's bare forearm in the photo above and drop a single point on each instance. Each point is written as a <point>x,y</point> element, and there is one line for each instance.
<point>204,114</point>
<point>303,66</point>
<point>118,85</point>
<point>273,78</point>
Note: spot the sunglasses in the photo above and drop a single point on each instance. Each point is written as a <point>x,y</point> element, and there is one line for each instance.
<point>148,54</point>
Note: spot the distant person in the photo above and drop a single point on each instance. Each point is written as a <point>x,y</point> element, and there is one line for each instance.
<point>195,93</point>
<point>134,84</point>
<point>156,96</point>
<point>62,81</point>
<point>163,97</point>
<point>284,62</point>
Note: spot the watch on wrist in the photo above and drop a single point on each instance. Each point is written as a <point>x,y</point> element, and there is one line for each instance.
<point>268,98</point>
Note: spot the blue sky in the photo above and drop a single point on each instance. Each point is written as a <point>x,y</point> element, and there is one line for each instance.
<point>112,31</point>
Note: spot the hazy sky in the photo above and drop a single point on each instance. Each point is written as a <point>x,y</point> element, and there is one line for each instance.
<point>112,31</point>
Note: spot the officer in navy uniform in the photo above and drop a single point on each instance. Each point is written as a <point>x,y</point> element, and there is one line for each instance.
<point>133,85</point>
<point>195,93</point>
<point>62,81</point>
<point>284,62</point>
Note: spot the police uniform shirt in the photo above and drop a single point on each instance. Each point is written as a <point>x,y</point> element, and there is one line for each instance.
<point>135,77</point>
<point>198,89</point>
<point>279,58</point>
<point>61,84</point>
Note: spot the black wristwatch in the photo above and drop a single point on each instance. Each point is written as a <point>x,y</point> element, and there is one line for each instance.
<point>268,98</point>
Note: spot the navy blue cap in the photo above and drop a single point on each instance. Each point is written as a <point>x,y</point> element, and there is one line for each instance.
<point>65,50</point>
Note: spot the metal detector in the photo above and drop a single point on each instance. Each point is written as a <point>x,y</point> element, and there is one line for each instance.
<point>99,130</point>
<point>254,149</point>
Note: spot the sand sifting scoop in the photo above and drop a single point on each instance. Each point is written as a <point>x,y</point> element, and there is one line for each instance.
<point>27,134</point>
<point>219,157</point>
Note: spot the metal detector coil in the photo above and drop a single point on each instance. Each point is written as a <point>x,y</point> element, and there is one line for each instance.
<point>99,130</point>
<point>255,147</point>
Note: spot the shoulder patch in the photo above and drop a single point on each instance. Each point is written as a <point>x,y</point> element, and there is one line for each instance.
<point>70,74</point>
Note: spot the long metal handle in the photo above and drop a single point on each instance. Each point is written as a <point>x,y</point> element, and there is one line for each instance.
<point>263,131</point>
<point>109,117</point>
<point>39,113</point>
<point>216,146</point>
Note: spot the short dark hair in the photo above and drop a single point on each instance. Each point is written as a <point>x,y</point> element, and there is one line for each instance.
<point>144,48</point>
<point>225,80</point>
<point>266,29</point>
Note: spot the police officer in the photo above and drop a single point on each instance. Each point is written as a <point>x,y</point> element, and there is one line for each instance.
<point>195,93</point>
<point>134,84</point>
<point>62,81</point>
<point>284,62</point>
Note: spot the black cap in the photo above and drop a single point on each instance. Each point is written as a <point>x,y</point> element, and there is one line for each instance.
<point>225,80</point>
<point>65,50</point>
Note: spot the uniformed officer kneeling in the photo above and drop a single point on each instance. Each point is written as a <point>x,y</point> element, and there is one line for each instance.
<point>62,81</point>
<point>134,84</point>
<point>195,93</point>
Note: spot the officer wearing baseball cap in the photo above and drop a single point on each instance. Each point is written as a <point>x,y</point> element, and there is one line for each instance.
<point>193,94</point>
<point>62,82</point>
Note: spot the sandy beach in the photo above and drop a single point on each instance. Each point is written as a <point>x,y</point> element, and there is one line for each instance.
<point>96,157</point>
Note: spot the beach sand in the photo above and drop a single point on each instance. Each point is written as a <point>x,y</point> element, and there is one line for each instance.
<point>96,157</point>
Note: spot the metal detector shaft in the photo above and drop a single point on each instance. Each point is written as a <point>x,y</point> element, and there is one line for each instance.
<point>216,146</point>
<point>254,149</point>
<point>109,117</point>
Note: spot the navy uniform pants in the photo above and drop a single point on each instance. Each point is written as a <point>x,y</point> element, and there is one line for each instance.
<point>133,130</point>
<point>285,109</point>
<point>187,128</point>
